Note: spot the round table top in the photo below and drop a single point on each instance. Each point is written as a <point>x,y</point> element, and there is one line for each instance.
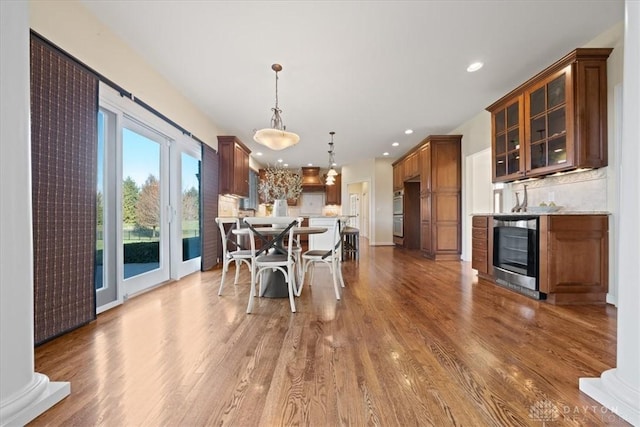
<point>270,231</point>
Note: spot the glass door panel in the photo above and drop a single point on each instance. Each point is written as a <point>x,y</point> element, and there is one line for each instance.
<point>513,162</point>
<point>105,278</point>
<point>558,151</point>
<point>538,155</point>
<point>500,121</point>
<point>501,166</point>
<point>190,207</point>
<point>538,129</point>
<point>501,144</point>
<point>537,102</point>
<point>555,91</point>
<point>513,139</point>
<point>557,123</point>
<point>513,117</point>
<point>144,235</point>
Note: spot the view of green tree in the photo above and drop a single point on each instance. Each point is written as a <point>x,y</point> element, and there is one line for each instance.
<point>148,206</point>
<point>99,208</point>
<point>190,204</point>
<point>129,200</point>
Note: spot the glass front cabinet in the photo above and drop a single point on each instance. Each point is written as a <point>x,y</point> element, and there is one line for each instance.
<point>554,122</point>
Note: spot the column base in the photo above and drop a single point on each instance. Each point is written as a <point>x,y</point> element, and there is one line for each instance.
<point>614,394</point>
<point>36,398</point>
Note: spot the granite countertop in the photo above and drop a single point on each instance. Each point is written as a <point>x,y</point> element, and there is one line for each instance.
<point>559,212</point>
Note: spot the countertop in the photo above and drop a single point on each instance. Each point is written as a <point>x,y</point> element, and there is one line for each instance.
<point>560,212</point>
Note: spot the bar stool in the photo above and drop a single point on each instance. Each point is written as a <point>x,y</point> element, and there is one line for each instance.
<point>351,243</point>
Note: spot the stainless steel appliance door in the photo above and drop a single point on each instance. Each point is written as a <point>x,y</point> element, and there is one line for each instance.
<point>397,205</point>
<point>398,226</point>
<point>515,256</point>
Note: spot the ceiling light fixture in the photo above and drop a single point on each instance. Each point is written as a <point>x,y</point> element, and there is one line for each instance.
<point>332,162</point>
<point>395,144</point>
<point>408,131</point>
<point>474,67</point>
<point>276,137</point>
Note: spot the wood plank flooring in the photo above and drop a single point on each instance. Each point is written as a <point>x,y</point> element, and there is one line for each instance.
<point>412,343</point>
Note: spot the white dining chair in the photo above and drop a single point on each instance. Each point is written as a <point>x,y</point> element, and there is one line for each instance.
<point>281,258</point>
<point>331,257</point>
<point>235,254</point>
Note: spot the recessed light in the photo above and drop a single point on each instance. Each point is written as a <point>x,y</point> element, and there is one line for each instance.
<point>279,160</point>
<point>385,153</point>
<point>309,164</point>
<point>395,144</point>
<point>408,131</point>
<point>474,67</point>
<point>286,165</point>
<point>258,153</point>
<point>334,164</point>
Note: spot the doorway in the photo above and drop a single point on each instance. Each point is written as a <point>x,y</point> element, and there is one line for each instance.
<point>148,222</point>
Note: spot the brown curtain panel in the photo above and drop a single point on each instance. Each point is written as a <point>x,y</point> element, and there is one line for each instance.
<point>209,191</point>
<point>64,111</point>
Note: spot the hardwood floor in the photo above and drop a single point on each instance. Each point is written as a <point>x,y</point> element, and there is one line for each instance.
<point>412,343</point>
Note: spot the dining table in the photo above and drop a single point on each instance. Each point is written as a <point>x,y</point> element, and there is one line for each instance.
<point>275,285</point>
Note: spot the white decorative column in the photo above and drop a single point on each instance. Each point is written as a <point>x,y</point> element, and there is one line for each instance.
<point>618,389</point>
<point>24,394</point>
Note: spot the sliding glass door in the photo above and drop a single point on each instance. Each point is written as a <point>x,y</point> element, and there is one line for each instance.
<point>148,223</point>
<point>144,232</point>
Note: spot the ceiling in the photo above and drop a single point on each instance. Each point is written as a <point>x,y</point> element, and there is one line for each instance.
<point>367,70</point>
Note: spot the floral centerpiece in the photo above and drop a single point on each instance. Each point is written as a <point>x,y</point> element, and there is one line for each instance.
<point>280,184</point>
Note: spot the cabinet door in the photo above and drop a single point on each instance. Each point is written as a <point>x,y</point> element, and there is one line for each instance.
<point>241,171</point>
<point>425,238</point>
<point>425,166</point>
<point>507,136</point>
<point>333,193</point>
<point>549,130</point>
<point>398,180</point>
<point>425,223</point>
<point>445,166</point>
<point>411,166</point>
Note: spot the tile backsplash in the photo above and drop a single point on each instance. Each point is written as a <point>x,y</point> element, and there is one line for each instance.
<point>577,191</point>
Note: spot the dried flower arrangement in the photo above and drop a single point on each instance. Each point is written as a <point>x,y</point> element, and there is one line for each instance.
<point>280,183</point>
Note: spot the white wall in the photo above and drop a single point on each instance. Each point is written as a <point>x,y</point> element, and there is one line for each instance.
<point>378,174</point>
<point>70,26</point>
<point>476,181</point>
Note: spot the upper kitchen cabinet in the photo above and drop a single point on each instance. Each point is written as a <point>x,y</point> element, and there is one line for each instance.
<point>398,176</point>
<point>411,166</point>
<point>507,135</point>
<point>333,193</point>
<point>234,166</point>
<point>556,121</point>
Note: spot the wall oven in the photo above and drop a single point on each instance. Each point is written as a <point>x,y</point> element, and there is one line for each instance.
<point>398,226</point>
<point>398,202</point>
<point>515,253</point>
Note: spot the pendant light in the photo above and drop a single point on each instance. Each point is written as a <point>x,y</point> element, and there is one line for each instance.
<point>331,175</point>
<point>276,137</point>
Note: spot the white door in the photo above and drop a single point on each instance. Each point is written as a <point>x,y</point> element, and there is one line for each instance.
<point>145,210</point>
<point>186,156</point>
<point>354,209</point>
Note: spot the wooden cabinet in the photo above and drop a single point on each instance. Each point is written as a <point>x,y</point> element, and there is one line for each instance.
<point>574,258</point>
<point>411,166</point>
<point>482,245</point>
<point>425,162</point>
<point>556,121</point>
<point>234,166</point>
<point>333,193</point>
<point>440,197</point>
<point>398,176</point>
